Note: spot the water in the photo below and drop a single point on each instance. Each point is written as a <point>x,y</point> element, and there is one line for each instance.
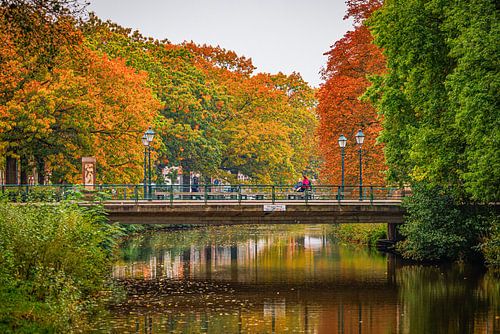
<point>289,279</point>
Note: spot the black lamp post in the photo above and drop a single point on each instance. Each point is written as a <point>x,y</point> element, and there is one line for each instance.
<point>360,138</point>
<point>146,141</point>
<point>145,181</point>
<point>342,144</point>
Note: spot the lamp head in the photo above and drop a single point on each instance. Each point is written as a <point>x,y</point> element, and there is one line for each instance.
<point>360,137</point>
<point>150,134</point>
<point>342,141</point>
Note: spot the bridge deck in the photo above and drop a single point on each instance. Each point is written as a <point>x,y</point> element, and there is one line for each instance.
<point>252,212</point>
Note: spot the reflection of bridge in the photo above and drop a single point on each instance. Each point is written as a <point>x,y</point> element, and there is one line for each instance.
<point>237,204</point>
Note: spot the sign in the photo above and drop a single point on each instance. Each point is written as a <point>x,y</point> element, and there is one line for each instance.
<point>274,207</point>
<point>88,172</point>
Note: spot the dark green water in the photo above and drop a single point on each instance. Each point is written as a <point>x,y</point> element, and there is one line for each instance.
<point>289,279</point>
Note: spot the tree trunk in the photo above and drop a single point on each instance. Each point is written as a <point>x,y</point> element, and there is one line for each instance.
<point>11,171</point>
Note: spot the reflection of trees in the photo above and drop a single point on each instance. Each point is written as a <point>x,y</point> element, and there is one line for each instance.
<point>309,308</point>
<point>457,299</point>
<point>251,254</point>
<point>265,279</point>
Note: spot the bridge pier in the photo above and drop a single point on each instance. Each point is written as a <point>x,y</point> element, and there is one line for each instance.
<point>393,232</point>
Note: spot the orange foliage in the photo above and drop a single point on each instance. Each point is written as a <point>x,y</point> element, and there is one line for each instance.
<point>350,61</point>
<point>92,106</point>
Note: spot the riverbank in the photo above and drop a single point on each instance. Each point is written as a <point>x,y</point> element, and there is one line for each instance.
<point>54,260</point>
<point>363,234</point>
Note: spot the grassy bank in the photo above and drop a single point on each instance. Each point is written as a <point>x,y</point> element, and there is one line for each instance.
<point>54,259</point>
<point>365,234</point>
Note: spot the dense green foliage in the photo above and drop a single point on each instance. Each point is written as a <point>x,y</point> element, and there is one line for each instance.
<point>439,98</point>
<point>440,107</point>
<point>491,244</point>
<point>439,228</point>
<point>52,258</point>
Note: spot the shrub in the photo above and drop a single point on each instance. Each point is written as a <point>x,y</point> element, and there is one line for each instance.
<point>438,226</point>
<point>52,256</point>
<point>491,245</point>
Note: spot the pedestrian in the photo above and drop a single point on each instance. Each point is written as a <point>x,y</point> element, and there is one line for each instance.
<point>298,185</point>
<point>306,184</point>
<point>195,186</point>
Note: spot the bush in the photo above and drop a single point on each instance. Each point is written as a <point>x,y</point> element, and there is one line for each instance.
<point>52,256</point>
<point>438,226</point>
<point>491,245</point>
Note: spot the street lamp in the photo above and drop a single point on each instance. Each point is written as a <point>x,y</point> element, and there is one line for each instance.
<point>360,138</point>
<point>146,141</point>
<point>146,145</point>
<point>342,144</point>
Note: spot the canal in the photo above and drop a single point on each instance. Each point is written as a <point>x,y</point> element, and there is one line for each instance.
<point>288,279</point>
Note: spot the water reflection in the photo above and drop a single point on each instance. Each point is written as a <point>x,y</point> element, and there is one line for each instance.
<point>294,279</point>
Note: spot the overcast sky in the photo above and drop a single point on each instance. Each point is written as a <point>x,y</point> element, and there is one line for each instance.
<point>279,35</point>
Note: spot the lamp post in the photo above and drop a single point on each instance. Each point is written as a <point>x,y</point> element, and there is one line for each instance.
<point>342,144</point>
<point>146,141</point>
<point>360,138</point>
<point>146,145</point>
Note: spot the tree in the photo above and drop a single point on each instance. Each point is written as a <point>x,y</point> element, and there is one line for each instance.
<point>33,34</point>
<point>215,115</point>
<point>350,61</point>
<point>191,104</point>
<point>89,106</point>
<point>440,109</point>
<point>270,132</point>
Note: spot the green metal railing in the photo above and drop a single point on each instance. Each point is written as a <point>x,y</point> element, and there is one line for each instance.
<point>206,193</point>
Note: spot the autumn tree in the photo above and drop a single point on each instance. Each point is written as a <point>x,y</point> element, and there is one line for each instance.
<point>62,101</point>
<point>270,136</point>
<point>191,105</point>
<point>94,107</point>
<point>217,115</point>
<point>350,61</point>
<point>32,35</point>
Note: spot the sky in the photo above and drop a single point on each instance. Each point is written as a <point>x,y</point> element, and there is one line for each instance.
<point>279,35</point>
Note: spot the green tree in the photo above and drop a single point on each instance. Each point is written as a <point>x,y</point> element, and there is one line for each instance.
<point>439,101</point>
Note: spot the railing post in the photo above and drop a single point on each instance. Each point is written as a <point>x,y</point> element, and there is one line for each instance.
<point>125,193</point>
<point>338,194</point>
<point>306,193</point>
<point>171,195</point>
<point>273,194</point>
<point>136,193</point>
<point>206,193</point>
<point>371,194</point>
<point>239,194</point>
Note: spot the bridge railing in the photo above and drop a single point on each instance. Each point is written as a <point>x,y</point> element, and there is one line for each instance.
<point>205,192</point>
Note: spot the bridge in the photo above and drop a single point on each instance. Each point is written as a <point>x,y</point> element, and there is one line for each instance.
<point>228,204</point>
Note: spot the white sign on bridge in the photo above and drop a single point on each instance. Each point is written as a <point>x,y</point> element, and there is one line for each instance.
<point>274,207</point>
